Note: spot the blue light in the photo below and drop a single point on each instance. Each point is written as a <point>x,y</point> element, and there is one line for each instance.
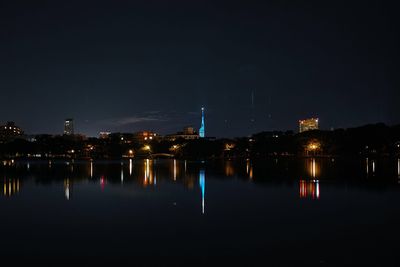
<point>202,130</point>
<point>202,182</point>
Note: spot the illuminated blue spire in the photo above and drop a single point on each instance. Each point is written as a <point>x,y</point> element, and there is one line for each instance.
<point>202,130</point>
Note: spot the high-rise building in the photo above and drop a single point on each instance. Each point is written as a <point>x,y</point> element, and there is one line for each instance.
<point>308,124</point>
<point>69,127</point>
<point>202,131</point>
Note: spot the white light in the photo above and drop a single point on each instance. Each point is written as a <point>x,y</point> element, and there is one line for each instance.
<point>91,169</point>
<point>398,167</point>
<point>122,173</point>
<point>313,168</point>
<point>174,169</point>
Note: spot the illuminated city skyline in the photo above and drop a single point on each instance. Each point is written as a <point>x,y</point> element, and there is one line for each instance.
<point>256,66</point>
<point>199,133</point>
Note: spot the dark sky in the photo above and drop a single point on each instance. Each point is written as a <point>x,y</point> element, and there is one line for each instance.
<point>132,65</point>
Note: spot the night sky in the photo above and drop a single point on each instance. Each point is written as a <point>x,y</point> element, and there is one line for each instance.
<point>135,65</point>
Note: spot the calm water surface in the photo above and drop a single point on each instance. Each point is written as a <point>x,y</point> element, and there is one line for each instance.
<point>276,212</point>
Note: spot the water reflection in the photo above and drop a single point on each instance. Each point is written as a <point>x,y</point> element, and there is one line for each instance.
<point>148,172</point>
<point>152,172</point>
<point>67,191</point>
<point>185,167</point>
<point>122,172</point>
<point>91,169</point>
<point>249,169</point>
<point>398,167</point>
<point>373,167</point>
<point>313,168</point>
<point>370,166</point>
<point>202,183</point>
<point>10,187</point>
<point>103,182</point>
<point>175,170</point>
<point>8,162</point>
<point>309,189</point>
<point>229,169</point>
<point>145,214</point>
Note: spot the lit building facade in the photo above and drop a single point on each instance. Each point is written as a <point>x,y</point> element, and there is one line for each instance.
<point>188,134</point>
<point>308,124</point>
<point>144,136</point>
<point>69,127</point>
<point>202,130</point>
<point>9,132</point>
<point>189,130</point>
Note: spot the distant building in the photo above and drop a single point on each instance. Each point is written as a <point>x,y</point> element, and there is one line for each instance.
<point>104,135</point>
<point>308,124</point>
<point>80,137</point>
<point>125,138</point>
<point>9,132</point>
<point>202,130</point>
<point>188,134</point>
<point>69,127</point>
<point>189,130</point>
<point>144,136</point>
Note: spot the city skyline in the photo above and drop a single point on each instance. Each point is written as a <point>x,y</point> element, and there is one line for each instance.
<point>304,124</point>
<point>199,133</point>
<point>152,65</point>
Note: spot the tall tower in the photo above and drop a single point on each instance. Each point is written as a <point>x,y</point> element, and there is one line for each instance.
<point>202,130</point>
<point>69,127</point>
